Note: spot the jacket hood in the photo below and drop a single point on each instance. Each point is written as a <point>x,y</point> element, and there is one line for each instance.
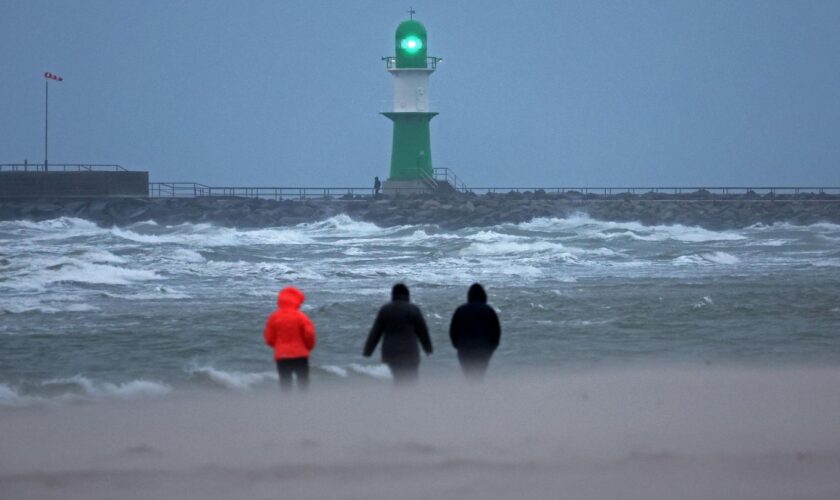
<point>400,292</point>
<point>477,294</point>
<point>290,298</point>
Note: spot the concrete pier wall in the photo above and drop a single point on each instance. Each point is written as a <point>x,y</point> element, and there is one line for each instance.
<point>73,184</point>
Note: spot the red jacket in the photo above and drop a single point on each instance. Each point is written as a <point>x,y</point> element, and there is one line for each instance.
<point>289,331</point>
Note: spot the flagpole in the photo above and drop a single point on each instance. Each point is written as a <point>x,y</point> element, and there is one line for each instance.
<point>46,119</point>
<point>49,76</point>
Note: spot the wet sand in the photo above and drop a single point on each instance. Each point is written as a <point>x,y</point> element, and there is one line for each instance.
<point>632,433</point>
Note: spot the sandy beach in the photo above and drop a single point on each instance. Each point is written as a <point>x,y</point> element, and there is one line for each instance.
<point>632,433</point>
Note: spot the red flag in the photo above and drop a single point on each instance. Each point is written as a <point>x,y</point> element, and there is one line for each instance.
<point>52,76</point>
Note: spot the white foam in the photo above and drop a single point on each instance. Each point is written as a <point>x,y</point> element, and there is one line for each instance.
<point>512,247</point>
<point>343,224</point>
<point>828,226</point>
<point>11,397</point>
<point>130,235</point>
<point>126,390</point>
<point>773,243</point>
<point>375,371</point>
<point>186,255</point>
<point>720,258</point>
<point>417,236</point>
<point>61,223</point>
<point>488,236</point>
<point>399,237</point>
<point>81,308</point>
<point>824,226</point>
<point>453,270</point>
<point>102,257</point>
<point>27,304</point>
<point>7,394</point>
<point>335,370</point>
<point>583,225</point>
<point>239,381</point>
<point>267,292</point>
<point>21,305</point>
<point>826,263</point>
<point>240,268</point>
<point>73,270</point>
<point>208,235</point>
<point>54,230</point>
<point>159,293</point>
<point>554,224</point>
<point>272,237</point>
<point>707,301</point>
<point>707,258</point>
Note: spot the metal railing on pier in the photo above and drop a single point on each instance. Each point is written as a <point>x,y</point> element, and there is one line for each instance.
<point>61,167</point>
<point>677,192</point>
<point>193,189</point>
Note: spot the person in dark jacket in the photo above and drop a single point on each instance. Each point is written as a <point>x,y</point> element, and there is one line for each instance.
<point>401,326</point>
<point>475,333</point>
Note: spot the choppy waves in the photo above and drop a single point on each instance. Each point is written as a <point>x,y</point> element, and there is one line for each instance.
<point>71,265</point>
<point>38,256</point>
<point>119,291</point>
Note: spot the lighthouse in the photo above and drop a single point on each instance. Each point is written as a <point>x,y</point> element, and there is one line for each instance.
<point>411,153</point>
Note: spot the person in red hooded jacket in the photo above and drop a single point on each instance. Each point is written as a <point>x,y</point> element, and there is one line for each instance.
<point>292,335</point>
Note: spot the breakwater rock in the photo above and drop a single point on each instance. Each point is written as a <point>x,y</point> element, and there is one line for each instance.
<point>454,211</point>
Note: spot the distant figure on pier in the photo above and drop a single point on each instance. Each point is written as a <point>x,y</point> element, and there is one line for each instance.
<point>292,335</point>
<point>401,326</point>
<point>475,332</point>
<point>376,186</point>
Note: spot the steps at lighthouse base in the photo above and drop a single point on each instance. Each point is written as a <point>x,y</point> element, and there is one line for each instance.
<point>402,188</point>
<point>444,187</point>
<point>428,186</point>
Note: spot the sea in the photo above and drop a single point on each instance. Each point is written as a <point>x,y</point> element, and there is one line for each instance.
<point>150,310</point>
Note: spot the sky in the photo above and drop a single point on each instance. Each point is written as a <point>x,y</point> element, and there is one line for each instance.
<point>533,93</point>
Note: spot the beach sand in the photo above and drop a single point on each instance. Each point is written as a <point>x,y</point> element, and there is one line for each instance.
<point>630,433</point>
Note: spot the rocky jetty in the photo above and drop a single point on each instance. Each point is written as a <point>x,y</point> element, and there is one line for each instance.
<point>453,211</point>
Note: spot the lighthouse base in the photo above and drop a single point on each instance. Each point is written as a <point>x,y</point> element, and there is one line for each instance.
<point>403,188</point>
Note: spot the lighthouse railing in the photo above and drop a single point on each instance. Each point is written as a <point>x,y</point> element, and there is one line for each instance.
<point>431,63</point>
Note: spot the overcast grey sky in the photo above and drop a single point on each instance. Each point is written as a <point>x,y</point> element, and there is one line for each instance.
<point>531,93</point>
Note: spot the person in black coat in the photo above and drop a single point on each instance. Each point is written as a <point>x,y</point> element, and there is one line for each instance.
<point>475,333</point>
<point>401,326</point>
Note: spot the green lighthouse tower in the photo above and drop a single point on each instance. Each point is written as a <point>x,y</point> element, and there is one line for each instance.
<point>411,153</point>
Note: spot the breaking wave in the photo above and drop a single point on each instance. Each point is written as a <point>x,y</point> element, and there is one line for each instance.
<point>375,371</point>
<point>708,258</point>
<point>635,230</point>
<point>239,381</point>
<point>81,386</point>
